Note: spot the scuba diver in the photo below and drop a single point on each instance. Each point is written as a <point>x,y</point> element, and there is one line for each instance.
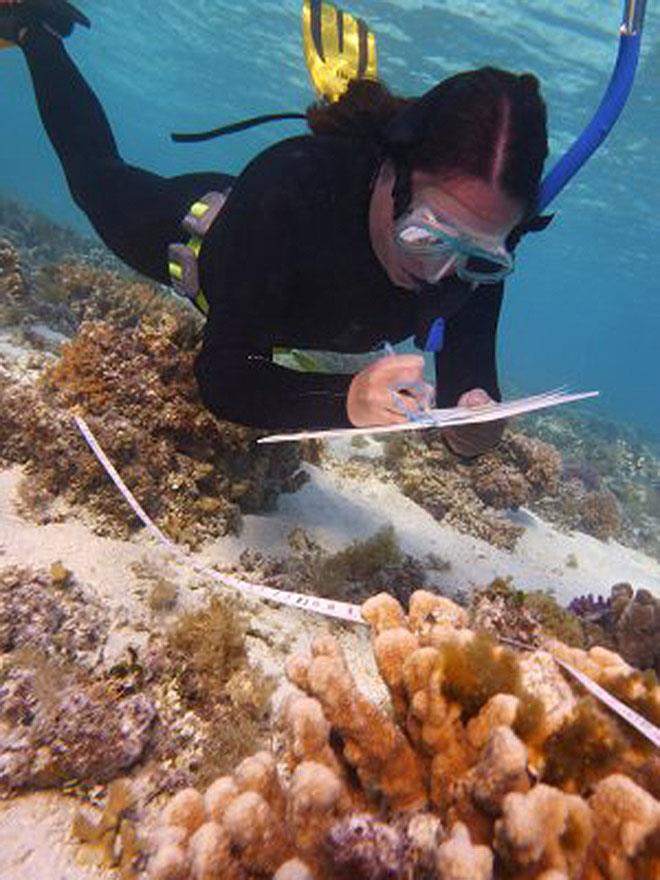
<point>394,218</point>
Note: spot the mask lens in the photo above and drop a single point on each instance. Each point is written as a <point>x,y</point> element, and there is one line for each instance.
<point>483,266</point>
<point>419,239</point>
<point>483,269</point>
<point>442,247</point>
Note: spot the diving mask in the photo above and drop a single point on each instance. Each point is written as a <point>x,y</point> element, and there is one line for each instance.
<point>441,247</point>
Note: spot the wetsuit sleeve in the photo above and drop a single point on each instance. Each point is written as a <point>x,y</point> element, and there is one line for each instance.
<point>468,357</point>
<point>251,272</point>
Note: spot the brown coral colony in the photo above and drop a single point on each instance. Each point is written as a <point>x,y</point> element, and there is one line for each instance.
<point>446,785</point>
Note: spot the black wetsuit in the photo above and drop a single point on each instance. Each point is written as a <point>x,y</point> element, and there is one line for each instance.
<point>287,263</point>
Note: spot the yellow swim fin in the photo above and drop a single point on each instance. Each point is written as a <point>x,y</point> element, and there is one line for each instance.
<point>338,48</point>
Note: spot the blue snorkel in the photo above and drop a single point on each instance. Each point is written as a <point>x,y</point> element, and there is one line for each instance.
<point>609,108</point>
<point>602,122</point>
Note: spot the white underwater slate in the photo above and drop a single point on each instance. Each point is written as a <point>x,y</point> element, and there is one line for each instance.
<point>446,418</point>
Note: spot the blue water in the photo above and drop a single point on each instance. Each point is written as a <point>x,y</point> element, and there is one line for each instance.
<point>583,307</point>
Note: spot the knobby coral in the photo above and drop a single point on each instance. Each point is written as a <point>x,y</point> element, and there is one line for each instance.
<point>447,785</point>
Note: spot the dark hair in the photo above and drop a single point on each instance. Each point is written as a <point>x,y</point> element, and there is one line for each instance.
<point>486,123</point>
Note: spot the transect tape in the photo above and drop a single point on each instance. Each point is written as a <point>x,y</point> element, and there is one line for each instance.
<point>326,607</point>
<point>643,725</point>
<point>640,723</point>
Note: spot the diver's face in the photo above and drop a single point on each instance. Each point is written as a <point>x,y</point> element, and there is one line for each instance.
<point>472,205</point>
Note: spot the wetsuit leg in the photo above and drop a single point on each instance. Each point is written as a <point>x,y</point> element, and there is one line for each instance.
<point>136,213</point>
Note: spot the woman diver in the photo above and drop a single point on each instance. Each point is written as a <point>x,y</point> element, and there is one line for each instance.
<point>393,218</point>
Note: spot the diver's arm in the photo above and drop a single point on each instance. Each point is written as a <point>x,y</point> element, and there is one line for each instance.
<point>467,364</point>
<point>247,387</point>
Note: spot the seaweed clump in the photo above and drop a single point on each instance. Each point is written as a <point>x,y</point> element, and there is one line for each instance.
<point>587,747</point>
<point>349,574</point>
<point>206,669</point>
<point>476,671</point>
<point>206,647</point>
<point>416,789</point>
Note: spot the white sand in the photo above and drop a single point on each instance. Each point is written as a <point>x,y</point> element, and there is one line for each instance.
<point>336,511</point>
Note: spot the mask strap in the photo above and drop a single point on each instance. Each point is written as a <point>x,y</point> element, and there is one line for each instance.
<point>401,190</point>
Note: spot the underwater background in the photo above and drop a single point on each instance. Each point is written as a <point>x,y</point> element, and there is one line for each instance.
<point>581,309</point>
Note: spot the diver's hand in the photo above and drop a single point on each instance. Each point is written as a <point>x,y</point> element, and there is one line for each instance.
<point>470,440</point>
<point>372,396</point>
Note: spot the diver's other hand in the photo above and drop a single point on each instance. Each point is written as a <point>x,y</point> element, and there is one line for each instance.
<point>372,396</point>
<point>57,16</point>
<point>470,440</point>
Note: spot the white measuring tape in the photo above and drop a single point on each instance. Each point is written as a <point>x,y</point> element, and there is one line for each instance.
<point>327,607</point>
<point>318,605</point>
<point>643,725</point>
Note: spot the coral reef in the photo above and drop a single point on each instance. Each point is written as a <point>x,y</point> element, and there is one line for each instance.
<point>193,474</point>
<point>448,784</point>
<point>12,284</point>
<point>596,512</point>
<point>48,613</point>
<point>601,456</point>
<point>42,241</point>
<point>61,718</point>
<point>525,470</point>
<point>521,470</point>
<point>350,574</point>
<point>127,366</point>
<point>627,621</point>
<point>430,475</point>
